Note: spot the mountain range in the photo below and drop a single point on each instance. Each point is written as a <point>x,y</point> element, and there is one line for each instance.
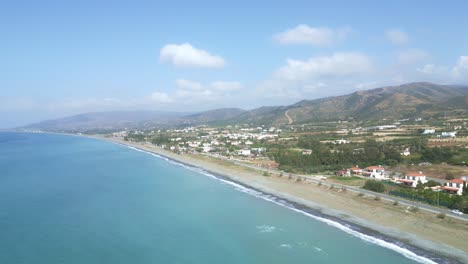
<point>393,102</point>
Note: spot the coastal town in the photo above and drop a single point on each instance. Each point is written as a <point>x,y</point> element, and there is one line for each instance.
<point>409,159</point>
<point>253,132</point>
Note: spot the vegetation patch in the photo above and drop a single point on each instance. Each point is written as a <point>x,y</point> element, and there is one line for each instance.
<point>375,186</point>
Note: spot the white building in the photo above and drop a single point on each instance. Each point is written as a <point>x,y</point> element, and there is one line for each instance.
<point>406,152</point>
<point>244,152</point>
<point>413,179</point>
<point>207,149</point>
<point>454,186</point>
<point>355,170</point>
<point>428,131</point>
<point>377,172</point>
<point>449,134</point>
<point>248,142</point>
<point>342,141</point>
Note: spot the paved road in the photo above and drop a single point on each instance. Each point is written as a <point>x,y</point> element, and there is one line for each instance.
<point>318,178</point>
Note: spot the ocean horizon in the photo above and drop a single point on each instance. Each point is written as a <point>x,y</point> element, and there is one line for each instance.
<point>68,199</point>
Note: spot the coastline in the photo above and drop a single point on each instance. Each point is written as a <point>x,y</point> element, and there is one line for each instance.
<point>328,204</point>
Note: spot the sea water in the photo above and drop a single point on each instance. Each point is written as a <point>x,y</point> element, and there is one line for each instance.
<point>67,199</point>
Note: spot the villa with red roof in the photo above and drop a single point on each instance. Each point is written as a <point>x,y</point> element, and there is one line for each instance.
<point>377,172</point>
<point>355,170</point>
<point>454,186</point>
<point>413,179</point>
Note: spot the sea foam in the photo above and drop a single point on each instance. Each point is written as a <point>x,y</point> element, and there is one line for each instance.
<point>401,250</point>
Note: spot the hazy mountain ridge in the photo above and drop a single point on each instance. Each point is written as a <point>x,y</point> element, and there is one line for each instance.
<point>407,100</point>
<point>215,115</point>
<point>106,121</point>
<point>392,102</point>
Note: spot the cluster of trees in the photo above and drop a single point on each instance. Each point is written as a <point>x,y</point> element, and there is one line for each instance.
<point>161,139</point>
<point>420,152</point>
<point>435,198</point>
<point>371,152</point>
<point>375,186</point>
<point>332,157</point>
<point>135,137</point>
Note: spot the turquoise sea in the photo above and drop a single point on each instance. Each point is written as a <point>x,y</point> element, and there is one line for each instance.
<point>66,199</point>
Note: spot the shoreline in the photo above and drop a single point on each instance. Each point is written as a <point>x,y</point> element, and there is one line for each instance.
<point>433,250</point>
<point>426,241</point>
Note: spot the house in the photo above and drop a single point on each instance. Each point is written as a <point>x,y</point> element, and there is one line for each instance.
<point>244,152</point>
<point>259,150</point>
<point>248,143</point>
<point>377,172</point>
<point>343,173</point>
<point>355,170</point>
<point>306,152</point>
<point>413,179</point>
<point>454,186</point>
<point>428,131</point>
<point>449,134</point>
<point>342,141</point>
<point>207,149</point>
<point>405,152</point>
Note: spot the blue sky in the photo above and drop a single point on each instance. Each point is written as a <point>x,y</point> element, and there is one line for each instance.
<point>59,58</point>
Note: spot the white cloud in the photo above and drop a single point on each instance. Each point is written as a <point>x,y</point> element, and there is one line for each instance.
<point>397,37</point>
<point>159,97</point>
<point>336,65</point>
<point>189,85</point>
<point>226,86</point>
<point>316,77</point>
<point>449,75</point>
<point>319,36</point>
<point>460,71</point>
<point>427,69</point>
<point>185,55</point>
<point>189,93</point>
<point>410,56</point>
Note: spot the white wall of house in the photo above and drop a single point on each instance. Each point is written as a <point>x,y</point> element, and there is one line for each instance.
<point>244,152</point>
<point>456,185</point>
<point>377,173</point>
<point>416,180</point>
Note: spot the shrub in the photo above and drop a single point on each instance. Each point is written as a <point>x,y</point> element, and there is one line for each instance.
<point>332,186</point>
<point>373,185</point>
<point>432,183</point>
<point>343,189</point>
<point>395,203</point>
<point>449,176</point>
<point>319,183</point>
<point>441,216</point>
<point>298,179</point>
<point>266,174</point>
<point>361,194</point>
<point>377,198</point>
<point>414,209</point>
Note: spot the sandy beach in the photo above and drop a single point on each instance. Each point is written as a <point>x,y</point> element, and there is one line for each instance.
<point>447,237</point>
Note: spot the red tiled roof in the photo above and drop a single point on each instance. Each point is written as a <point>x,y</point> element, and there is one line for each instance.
<point>374,168</point>
<point>415,174</point>
<point>457,181</point>
<point>355,168</point>
<point>450,189</point>
<point>405,180</point>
